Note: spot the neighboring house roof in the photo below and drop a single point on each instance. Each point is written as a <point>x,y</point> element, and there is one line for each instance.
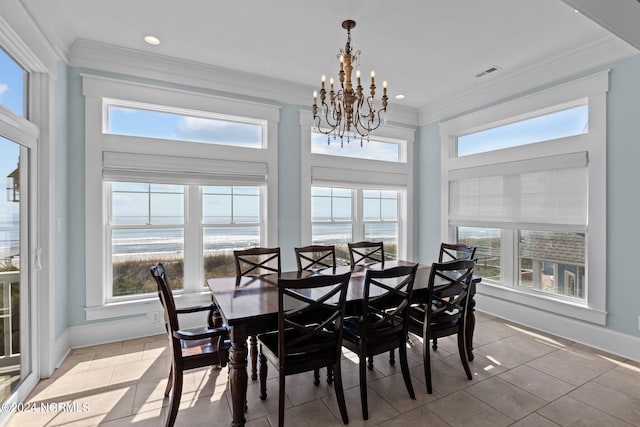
<point>561,248</point>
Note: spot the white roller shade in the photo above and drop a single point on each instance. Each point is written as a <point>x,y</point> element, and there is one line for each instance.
<point>532,195</point>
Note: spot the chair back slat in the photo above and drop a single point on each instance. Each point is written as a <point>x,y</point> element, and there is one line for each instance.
<point>365,253</point>
<point>166,298</point>
<point>313,308</point>
<point>257,261</point>
<point>315,256</point>
<point>386,297</point>
<point>455,251</point>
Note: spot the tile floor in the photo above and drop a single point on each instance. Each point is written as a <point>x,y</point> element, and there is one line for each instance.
<point>521,378</point>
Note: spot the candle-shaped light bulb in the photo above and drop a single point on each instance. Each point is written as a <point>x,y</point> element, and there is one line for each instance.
<point>358,76</point>
<point>315,96</point>
<point>331,82</point>
<point>341,62</point>
<point>324,78</point>
<point>373,75</point>
<point>384,88</point>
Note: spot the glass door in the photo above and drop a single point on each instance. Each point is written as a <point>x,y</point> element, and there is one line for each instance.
<point>14,267</point>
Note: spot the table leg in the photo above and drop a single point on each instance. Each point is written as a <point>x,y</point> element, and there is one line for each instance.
<point>238,374</point>
<point>470,327</point>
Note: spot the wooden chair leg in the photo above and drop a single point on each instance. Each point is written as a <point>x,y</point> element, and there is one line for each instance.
<point>426,356</point>
<point>167,390</point>
<point>340,393</point>
<point>435,344</point>
<point>263,377</point>
<point>281,400</point>
<point>253,349</point>
<point>370,363</point>
<point>462,349</point>
<point>175,398</point>
<point>404,365</point>
<point>363,387</point>
<point>329,374</point>
<point>392,357</point>
<point>316,377</point>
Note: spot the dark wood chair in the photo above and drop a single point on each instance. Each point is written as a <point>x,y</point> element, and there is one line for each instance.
<point>190,348</point>
<point>382,325</point>
<point>315,256</point>
<point>444,312</point>
<point>255,262</point>
<point>361,253</point>
<point>455,251</point>
<point>309,336</point>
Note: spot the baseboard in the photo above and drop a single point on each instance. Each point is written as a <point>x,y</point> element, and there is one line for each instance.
<point>604,339</point>
<point>111,331</point>
<point>61,348</point>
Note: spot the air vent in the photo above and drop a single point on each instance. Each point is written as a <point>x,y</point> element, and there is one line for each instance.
<point>491,69</point>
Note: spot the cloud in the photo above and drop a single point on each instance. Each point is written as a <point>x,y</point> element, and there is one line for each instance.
<point>3,88</point>
<point>220,131</point>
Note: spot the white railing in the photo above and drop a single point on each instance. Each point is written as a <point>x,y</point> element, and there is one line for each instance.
<point>7,281</point>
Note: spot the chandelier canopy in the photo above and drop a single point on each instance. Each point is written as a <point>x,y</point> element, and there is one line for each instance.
<point>348,112</point>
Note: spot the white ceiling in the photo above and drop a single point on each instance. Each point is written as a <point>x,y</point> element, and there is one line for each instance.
<point>429,50</point>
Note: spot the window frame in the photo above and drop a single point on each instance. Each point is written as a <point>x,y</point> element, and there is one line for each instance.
<point>110,157</point>
<point>593,89</point>
<point>325,170</point>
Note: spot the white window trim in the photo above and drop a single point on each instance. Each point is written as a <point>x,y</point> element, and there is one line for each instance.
<point>594,88</point>
<point>208,163</point>
<point>346,172</point>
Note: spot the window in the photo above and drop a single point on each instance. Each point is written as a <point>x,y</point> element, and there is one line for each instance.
<point>522,183</point>
<point>13,85</point>
<point>143,121</point>
<point>176,177</point>
<point>357,192</point>
<point>373,149</point>
<point>340,216</point>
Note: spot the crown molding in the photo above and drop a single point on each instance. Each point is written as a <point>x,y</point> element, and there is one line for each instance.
<point>547,71</point>
<point>21,36</point>
<point>93,55</point>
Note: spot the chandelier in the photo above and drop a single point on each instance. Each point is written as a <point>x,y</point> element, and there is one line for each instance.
<point>348,112</point>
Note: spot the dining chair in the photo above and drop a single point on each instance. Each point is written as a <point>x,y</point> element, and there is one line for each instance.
<point>315,256</point>
<point>255,262</point>
<point>361,253</point>
<point>190,348</point>
<point>455,251</point>
<point>309,336</point>
<point>382,325</point>
<point>444,311</point>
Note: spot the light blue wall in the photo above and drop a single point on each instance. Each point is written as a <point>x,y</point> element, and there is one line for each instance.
<point>623,196</point>
<point>61,207</point>
<point>623,193</point>
<point>289,184</point>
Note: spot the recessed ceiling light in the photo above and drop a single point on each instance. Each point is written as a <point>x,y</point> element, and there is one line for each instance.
<point>399,96</point>
<point>152,40</point>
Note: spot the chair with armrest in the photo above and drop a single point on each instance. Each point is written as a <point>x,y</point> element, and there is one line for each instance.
<point>382,325</point>
<point>444,311</point>
<point>362,253</point>
<point>315,256</point>
<point>309,336</point>
<point>190,348</point>
<point>255,262</point>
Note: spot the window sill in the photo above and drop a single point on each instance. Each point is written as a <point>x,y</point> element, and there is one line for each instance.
<point>145,305</point>
<point>544,302</point>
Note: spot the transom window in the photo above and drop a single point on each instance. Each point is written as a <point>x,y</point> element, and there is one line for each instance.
<point>374,149</point>
<point>13,85</point>
<point>545,127</point>
<point>145,121</point>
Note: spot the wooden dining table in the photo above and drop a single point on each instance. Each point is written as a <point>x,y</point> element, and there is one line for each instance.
<point>249,306</point>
